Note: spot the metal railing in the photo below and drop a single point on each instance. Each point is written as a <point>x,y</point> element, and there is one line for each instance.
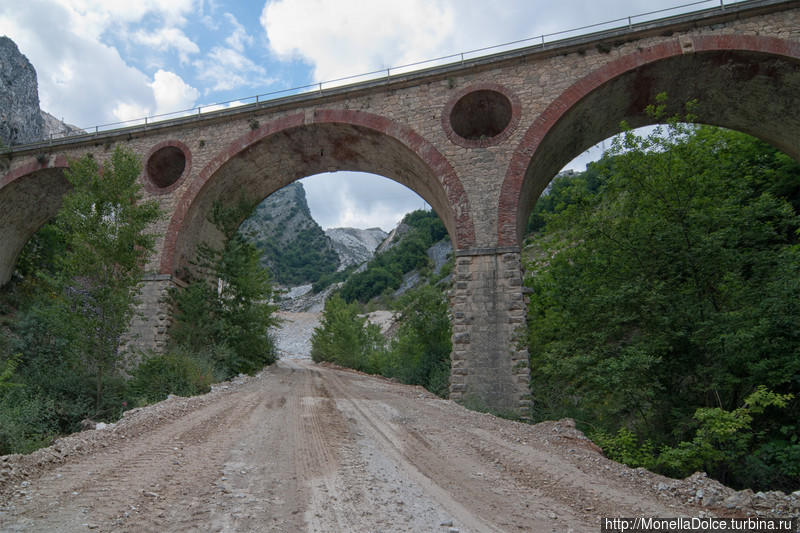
<point>387,73</point>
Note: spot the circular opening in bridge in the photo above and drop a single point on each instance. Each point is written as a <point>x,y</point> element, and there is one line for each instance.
<point>166,166</point>
<point>481,115</point>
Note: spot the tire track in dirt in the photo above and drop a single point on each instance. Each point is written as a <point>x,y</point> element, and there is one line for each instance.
<point>304,447</point>
<point>412,453</point>
<point>258,488</point>
<point>133,486</point>
<point>322,437</point>
<point>568,486</point>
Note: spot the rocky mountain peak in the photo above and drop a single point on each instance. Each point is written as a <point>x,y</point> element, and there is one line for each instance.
<point>355,246</point>
<point>54,128</point>
<point>20,119</point>
<point>291,243</point>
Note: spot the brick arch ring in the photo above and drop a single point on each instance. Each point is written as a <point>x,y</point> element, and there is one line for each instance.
<point>414,142</point>
<point>59,161</point>
<point>508,208</point>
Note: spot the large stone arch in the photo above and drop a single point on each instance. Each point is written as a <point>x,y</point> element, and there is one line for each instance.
<point>30,195</point>
<point>742,82</point>
<point>295,146</point>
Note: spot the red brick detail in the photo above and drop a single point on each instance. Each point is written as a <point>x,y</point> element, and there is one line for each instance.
<point>516,113</point>
<point>182,207</point>
<point>508,209</point>
<point>60,161</point>
<point>439,165</point>
<point>148,183</point>
<point>408,137</point>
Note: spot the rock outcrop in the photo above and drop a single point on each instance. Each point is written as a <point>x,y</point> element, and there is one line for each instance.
<point>355,246</point>
<point>55,129</point>
<point>20,119</point>
<point>292,245</point>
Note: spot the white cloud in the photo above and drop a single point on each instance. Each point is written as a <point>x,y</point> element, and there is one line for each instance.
<point>227,105</point>
<point>239,38</point>
<point>226,69</point>
<point>81,78</point>
<point>229,67</point>
<point>92,17</point>
<point>358,200</point>
<point>129,111</point>
<point>351,36</point>
<point>171,93</point>
<point>167,38</point>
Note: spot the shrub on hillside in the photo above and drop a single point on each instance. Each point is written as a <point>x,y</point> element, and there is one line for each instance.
<point>385,271</point>
<point>347,339</point>
<point>175,372</point>
<point>27,420</point>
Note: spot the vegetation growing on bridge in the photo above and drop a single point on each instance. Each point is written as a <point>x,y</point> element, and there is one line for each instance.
<point>665,306</point>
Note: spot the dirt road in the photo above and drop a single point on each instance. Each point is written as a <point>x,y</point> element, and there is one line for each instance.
<point>308,448</point>
<point>302,447</point>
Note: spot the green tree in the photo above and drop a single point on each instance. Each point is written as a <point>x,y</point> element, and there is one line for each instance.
<point>103,223</point>
<point>420,352</point>
<point>669,286</point>
<point>9,367</point>
<point>346,338</point>
<point>227,302</point>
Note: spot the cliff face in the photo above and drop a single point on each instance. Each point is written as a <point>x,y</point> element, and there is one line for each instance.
<point>54,128</point>
<point>355,246</point>
<point>295,248</point>
<point>292,245</point>
<point>20,119</point>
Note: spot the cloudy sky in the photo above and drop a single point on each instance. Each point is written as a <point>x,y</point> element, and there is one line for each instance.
<point>103,61</point>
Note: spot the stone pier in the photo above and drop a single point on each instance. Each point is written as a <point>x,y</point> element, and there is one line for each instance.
<point>490,359</point>
<point>148,331</point>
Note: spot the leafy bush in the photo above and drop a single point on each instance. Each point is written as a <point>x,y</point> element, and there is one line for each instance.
<point>667,286</point>
<point>27,420</point>
<point>420,352</point>
<point>347,339</point>
<point>9,367</point>
<point>721,446</point>
<point>625,447</point>
<point>175,372</point>
<point>722,439</point>
<point>418,355</point>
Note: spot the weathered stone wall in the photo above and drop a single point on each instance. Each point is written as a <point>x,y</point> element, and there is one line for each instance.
<point>489,359</point>
<point>149,326</point>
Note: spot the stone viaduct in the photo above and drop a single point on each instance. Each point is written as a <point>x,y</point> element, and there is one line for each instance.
<point>478,140</point>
